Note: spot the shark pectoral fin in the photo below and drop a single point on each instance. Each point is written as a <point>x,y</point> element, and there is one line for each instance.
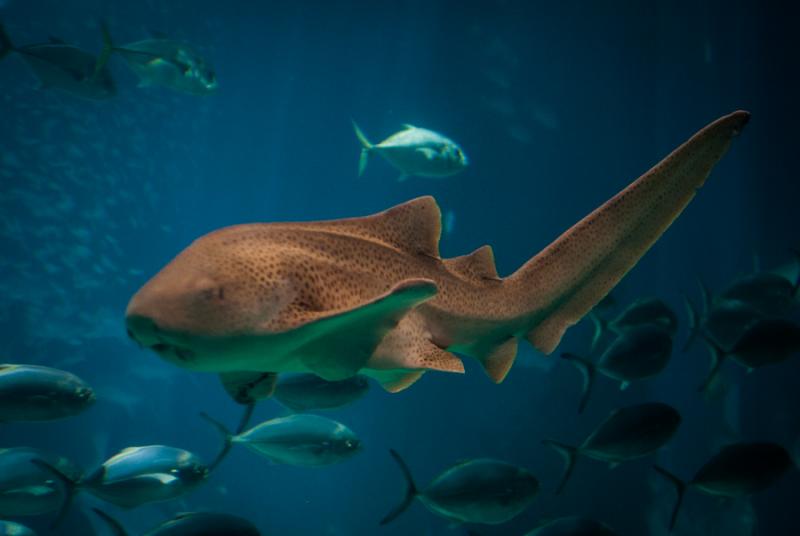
<point>575,272</point>
<point>248,387</point>
<point>403,177</point>
<point>341,344</point>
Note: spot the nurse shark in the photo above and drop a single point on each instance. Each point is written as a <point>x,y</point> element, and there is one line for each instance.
<point>372,295</point>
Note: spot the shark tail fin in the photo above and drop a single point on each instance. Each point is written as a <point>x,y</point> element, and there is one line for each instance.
<point>366,148</point>
<point>105,53</point>
<point>116,527</point>
<point>570,276</point>
<point>6,46</point>
<point>718,355</point>
<point>588,371</point>
<point>680,488</point>
<point>70,488</point>
<point>570,455</point>
<point>222,429</point>
<point>411,490</point>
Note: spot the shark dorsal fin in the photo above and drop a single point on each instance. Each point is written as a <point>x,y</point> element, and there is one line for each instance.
<point>477,266</point>
<point>412,227</point>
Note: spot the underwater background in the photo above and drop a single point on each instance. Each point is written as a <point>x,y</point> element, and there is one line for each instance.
<point>558,105</point>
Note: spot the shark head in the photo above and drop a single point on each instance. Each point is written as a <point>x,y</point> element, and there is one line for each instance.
<point>219,289</point>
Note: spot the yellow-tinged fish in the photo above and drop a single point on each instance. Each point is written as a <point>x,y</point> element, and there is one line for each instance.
<point>415,151</point>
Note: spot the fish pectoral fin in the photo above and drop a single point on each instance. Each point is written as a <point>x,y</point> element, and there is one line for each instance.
<point>340,344</point>
<point>429,153</point>
<point>569,277</point>
<point>247,387</point>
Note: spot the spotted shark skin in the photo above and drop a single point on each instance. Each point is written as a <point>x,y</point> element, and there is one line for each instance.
<point>372,294</point>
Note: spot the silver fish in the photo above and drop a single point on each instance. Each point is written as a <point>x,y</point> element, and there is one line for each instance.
<point>164,62</point>
<point>476,491</point>
<point>737,470</point>
<point>64,67</point>
<point>138,475</point>
<point>651,311</point>
<point>415,151</point>
<point>9,528</point>
<point>28,490</point>
<point>308,392</point>
<point>639,352</point>
<point>765,342</point>
<point>626,434</point>
<point>35,393</point>
<point>572,526</point>
<point>302,440</point>
<point>191,524</point>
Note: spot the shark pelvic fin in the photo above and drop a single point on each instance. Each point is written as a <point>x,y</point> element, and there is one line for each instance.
<point>354,335</point>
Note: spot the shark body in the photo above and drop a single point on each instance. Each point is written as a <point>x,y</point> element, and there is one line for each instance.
<point>372,295</point>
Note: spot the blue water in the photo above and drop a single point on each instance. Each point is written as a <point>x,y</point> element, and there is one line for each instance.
<point>558,105</point>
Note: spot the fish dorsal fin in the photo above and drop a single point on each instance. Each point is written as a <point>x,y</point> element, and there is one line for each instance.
<point>56,40</point>
<point>413,227</point>
<point>477,266</point>
<point>408,126</point>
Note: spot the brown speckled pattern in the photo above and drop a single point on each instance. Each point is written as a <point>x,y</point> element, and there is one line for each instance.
<point>270,279</point>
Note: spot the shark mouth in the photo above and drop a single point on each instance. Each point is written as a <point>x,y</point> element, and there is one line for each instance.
<point>147,334</point>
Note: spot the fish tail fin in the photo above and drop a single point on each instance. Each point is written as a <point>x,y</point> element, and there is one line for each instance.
<point>366,148</point>
<point>694,323</point>
<point>115,526</point>
<point>222,429</point>
<point>6,46</point>
<point>70,488</point>
<point>588,371</point>
<point>796,289</point>
<point>105,53</point>
<point>411,490</point>
<point>718,355</point>
<point>600,327</point>
<point>570,455</point>
<point>680,488</point>
<point>557,287</point>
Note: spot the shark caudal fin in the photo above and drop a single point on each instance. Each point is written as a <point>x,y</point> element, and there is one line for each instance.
<point>561,284</point>
<point>366,148</point>
<point>6,46</point>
